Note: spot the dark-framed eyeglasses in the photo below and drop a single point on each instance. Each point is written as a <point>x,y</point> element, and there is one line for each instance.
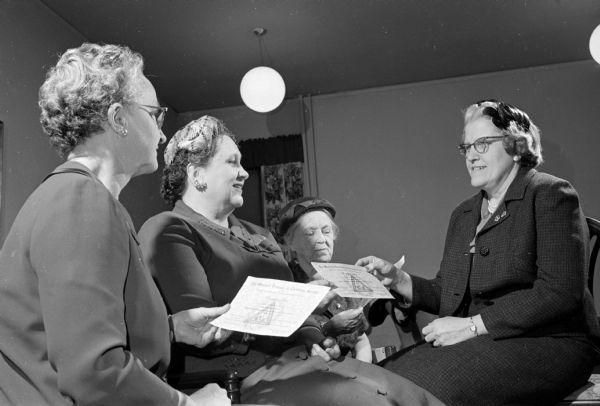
<point>481,145</point>
<point>156,112</point>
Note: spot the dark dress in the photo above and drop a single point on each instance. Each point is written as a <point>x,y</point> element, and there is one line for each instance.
<point>527,279</point>
<point>200,264</point>
<point>81,320</point>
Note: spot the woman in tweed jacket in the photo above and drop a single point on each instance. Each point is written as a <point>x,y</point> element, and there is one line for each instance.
<point>516,321</point>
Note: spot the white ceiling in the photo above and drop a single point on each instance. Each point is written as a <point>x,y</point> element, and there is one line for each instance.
<point>198,50</point>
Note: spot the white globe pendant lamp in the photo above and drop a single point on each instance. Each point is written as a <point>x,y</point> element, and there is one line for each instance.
<point>595,44</point>
<point>262,88</point>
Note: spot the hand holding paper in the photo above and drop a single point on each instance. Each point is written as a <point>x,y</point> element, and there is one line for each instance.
<point>193,326</point>
<point>352,281</point>
<point>271,307</point>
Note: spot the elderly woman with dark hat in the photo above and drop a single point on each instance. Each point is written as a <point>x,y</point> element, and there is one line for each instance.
<point>516,322</point>
<point>82,321</point>
<point>309,231</point>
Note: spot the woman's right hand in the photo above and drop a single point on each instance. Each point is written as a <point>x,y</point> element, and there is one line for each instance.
<point>383,270</point>
<point>211,394</point>
<point>391,275</point>
<point>193,326</point>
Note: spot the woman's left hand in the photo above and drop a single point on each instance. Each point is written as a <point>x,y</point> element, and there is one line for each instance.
<point>447,331</point>
<point>193,326</point>
<point>330,350</point>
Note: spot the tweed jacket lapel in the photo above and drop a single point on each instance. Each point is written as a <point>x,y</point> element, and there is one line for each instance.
<point>464,230</point>
<point>515,191</point>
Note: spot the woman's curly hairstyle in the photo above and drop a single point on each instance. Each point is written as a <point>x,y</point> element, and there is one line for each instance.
<point>522,138</point>
<point>78,91</point>
<point>196,143</point>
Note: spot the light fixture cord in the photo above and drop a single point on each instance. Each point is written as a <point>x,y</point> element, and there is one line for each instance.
<point>262,50</point>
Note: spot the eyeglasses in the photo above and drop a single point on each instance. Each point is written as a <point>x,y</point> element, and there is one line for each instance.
<point>156,112</point>
<point>481,145</point>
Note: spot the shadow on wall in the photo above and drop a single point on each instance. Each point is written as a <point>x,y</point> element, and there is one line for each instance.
<point>284,120</point>
<point>349,240</point>
<point>555,157</point>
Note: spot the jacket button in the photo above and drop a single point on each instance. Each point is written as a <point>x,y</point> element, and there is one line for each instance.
<point>484,251</point>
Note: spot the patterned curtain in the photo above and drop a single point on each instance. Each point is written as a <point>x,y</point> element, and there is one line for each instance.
<point>280,184</point>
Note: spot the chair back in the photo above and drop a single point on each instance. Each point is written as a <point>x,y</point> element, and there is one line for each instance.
<point>594,227</point>
<point>588,393</point>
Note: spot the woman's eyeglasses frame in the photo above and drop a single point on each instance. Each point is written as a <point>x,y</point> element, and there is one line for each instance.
<point>481,145</point>
<point>156,112</point>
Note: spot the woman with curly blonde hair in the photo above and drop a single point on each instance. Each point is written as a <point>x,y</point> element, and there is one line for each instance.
<point>82,320</point>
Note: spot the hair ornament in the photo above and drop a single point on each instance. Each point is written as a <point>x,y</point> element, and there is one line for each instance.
<point>517,130</point>
<point>191,137</point>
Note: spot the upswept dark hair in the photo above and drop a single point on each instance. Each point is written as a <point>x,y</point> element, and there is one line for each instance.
<point>521,136</point>
<point>77,92</point>
<point>204,149</point>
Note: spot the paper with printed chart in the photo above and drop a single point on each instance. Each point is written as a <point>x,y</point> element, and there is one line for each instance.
<point>271,307</point>
<point>352,281</point>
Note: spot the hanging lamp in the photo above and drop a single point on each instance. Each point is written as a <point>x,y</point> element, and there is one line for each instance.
<point>262,88</point>
<point>595,44</point>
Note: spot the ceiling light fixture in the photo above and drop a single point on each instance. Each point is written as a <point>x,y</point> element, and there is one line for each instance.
<point>262,88</point>
<point>595,44</point>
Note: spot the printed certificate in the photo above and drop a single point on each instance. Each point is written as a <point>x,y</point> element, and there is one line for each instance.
<point>352,281</point>
<point>271,307</point>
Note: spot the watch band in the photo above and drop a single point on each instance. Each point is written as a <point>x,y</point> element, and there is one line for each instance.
<point>473,327</point>
<point>172,337</point>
